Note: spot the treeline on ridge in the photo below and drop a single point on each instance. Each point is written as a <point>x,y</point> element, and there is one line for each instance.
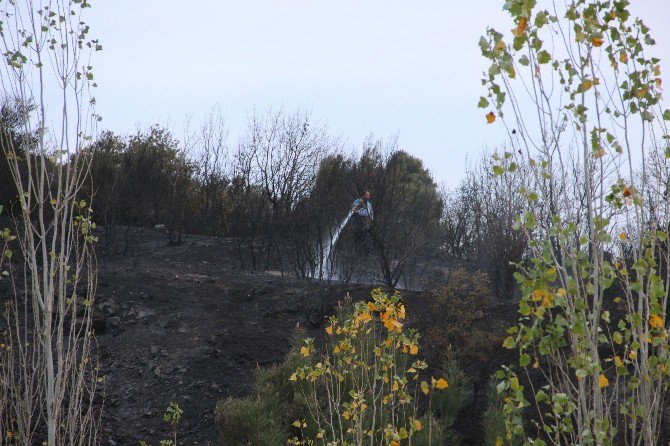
<point>281,191</point>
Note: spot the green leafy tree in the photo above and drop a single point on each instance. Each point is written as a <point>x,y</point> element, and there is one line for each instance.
<point>47,367</point>
<point>408,210</point>
<point>592,334</point>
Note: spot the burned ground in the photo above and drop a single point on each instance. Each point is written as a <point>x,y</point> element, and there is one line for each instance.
<point>181,323</point>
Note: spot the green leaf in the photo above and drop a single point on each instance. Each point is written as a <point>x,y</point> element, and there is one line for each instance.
<point>524,360</point>
<point>498,170</point>
<point>543,57</point>
<point>541,396</point>
<point>666,115</point>
<point>509,342</point>
<point>484,45</point>
<point>572,14</point>
<point>541,19</point>
<point>483,102</point>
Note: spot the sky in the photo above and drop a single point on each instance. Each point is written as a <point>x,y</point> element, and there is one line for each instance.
<point>405,68</point>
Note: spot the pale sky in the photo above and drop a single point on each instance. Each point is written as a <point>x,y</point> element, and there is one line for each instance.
<point>410,68</point>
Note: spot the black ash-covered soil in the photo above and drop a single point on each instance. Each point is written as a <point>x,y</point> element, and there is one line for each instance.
<point>183,324</point>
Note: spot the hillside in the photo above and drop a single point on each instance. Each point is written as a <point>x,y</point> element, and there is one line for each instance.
<point>181,323</point>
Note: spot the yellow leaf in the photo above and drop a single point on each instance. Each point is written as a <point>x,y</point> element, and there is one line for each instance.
<point>417,425</point>
<point>520,27</point>
<point>632,355</point>
<point>394,443</point>
<point>329,329</point>
<point>490,117</point>
<point>414,349</point>
<point>395,386</point>
<point>641,92</point>
<point>623,236</point>
<point>602,381</point>
<point>441,384</point>
<point>597,41</point>
<point>346,415</point>
<point>599,153</point>
<point>623,57</point>
<point>304,350</point>
<point>658,82</point>
<point>656,321</point>
<point>319,435</point>
<point>296,423</point>
<point>618,362</point>
<point>293,377</point>
<point>561,292</point>
<point>499,441</point>
<point>403,433</point>
<point>424,387</point>
<point>587,84</point>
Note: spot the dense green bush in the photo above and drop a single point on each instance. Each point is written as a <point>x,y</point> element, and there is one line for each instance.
<point>264,417</point>
<point>493,424</point>
<point>244,421</point>
<point>446,406</point>
<point>463,328</point>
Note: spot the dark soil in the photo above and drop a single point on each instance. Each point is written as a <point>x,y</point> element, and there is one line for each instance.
<point>182,324</point>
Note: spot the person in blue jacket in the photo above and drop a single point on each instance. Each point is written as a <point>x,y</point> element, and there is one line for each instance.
<point>363,217</point>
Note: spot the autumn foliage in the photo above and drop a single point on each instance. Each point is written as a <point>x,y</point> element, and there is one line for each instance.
<point>366,383</point>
